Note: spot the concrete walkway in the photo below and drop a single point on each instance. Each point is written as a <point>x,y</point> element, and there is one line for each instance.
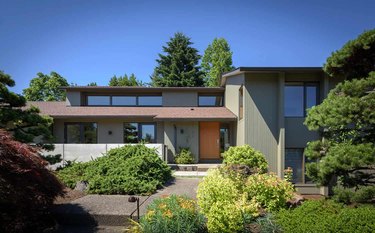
<point>114,210</point>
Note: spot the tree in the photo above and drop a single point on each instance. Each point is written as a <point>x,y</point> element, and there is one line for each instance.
<point>346,119</point>
<point>216,60</point>
<point>46,88</point>
<point>125,81</point>
<point>355,59</point>
<point>92,84</point>
<point>178,67</point>
<point>24,123</point>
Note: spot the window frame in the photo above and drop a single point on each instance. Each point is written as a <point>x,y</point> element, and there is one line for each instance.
<point>304,176</point>
<point>304,85</point>
<point>121,95</point>
<point>81,132</point>
<point>139,131</point>
<point>211,95</point>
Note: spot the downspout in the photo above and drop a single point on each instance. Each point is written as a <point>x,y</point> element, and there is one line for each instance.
<point>175,139</point>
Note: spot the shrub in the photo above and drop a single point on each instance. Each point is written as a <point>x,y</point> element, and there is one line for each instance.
<point>27,188</point>
<point>172,214</point>
<point>269,190</point>
<point>327,216</point>
<point>363,194</point>
<point>184,157</point>
<point>126,170</point>
<point>246,155</point>
<point>266,224</point>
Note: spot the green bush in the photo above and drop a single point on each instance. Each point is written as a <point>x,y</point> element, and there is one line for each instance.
<point>172,214</point>
<point>125,170</point>
<point>246,155</point>
<point>269,190</point>
<point>184,157</point>
<point>327,216</point>
<point>232,202</point>
<point>364,194</point>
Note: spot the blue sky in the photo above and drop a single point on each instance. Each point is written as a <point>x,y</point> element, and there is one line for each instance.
<point>90,41</point>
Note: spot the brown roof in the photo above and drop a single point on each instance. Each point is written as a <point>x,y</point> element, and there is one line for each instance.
<point>60,110</point>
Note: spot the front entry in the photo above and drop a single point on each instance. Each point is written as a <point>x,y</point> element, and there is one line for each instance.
<point>209,140</point>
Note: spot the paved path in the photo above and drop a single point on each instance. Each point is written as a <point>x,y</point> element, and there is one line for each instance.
<point>113,210</point>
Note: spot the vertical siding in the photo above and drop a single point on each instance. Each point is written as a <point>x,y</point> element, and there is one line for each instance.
<point>261,115</point>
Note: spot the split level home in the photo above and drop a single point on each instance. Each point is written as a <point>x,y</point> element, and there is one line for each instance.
<point>264,107</point>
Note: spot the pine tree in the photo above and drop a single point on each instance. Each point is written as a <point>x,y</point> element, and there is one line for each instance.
<point>125,81</point>
<point>178,66</point>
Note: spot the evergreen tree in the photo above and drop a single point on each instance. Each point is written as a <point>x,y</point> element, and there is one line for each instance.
<point>125,81</point>
<point>346,119</point>
<point>25,124</point>
<point>216,60</point>
<point>178,66</point>
<point>46,88</point>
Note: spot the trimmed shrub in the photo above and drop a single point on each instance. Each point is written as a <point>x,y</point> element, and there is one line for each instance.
<point>327,216</point>
<point>27,188</point>
<point>364,194</point>
<point>269,190</point>
<point>172,214</point>
<point>246,155</point>
<point>184,157</point>
<point>132,169</point>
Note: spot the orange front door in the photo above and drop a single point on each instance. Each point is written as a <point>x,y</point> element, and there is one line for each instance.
<point>209,140</point>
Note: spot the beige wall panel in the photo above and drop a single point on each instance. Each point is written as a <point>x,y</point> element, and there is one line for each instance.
<point>180,99</point>
<point>261,115</point>
<point>73,98</point>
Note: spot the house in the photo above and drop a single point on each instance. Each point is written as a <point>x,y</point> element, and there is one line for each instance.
<point>264,107</point>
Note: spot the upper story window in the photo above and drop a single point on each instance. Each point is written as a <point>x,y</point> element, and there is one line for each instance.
<point>117,100</point>
<point>298,97</point>
<point>210,100</point>
<point>149,100</point>
<point>98,100</point>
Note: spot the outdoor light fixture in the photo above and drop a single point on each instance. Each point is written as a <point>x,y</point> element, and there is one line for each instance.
<point>109,132</point>
<point>135,199</point>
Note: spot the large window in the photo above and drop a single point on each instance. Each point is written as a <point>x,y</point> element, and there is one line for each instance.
<point>298,97</point>
<point>210,100</point>
<point>295,159</point>
<point>83,132</point>
<point>139,132</point>
<point>118,100</point>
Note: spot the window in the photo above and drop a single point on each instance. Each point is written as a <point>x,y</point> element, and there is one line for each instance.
<point>298,97</point>
<point>224,138</point>
<point>240,103</point>
<point>124,100</point>
<point>295,159</point>
<point>139,132</point>
<point>85,132</point>
<point>149,100</point>
<point>98,100</point>
<point>215,100</point>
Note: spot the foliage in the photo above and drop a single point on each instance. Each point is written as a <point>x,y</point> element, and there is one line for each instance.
<point>267,224</point>
<point>269,190</point>
<point>288,174</point>
<point>178,67</point>
<point>326,216</point>
<point>92,84</point>
<point>46,88</point>
<point>27,188</point>
<point>355,59</point>
<point>246,155</point>
<point>232,201</point>
<point>346,118</point>
<point>124,170</point>
<point>216,60</point>
<point>184,157</point>
<point>24,123</point>
<point>349,195</point>
<point>172,214</point>
<point>125,81</point>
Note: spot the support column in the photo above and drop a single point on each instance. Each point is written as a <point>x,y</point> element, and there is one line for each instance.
<point>281,127</point>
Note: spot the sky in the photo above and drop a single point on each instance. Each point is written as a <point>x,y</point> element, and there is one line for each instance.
<point>90,41</point>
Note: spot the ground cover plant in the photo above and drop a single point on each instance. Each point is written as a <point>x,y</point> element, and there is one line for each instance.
<point>327,216</point>
<point>131,169</point>
<point>177,214</point>
<point>234,196</point>
<point>27,188</point>
<point>184,157</point>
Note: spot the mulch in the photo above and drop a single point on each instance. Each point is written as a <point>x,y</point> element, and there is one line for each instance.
<point>70,195</point>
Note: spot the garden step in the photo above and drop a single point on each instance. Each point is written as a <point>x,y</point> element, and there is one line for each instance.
<point>90,229</point>
<point>97,210</point>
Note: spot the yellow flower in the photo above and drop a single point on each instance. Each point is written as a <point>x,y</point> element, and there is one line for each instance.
<point>168,214</point>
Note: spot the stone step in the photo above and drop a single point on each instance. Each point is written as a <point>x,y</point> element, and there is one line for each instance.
<point>90,229</point>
